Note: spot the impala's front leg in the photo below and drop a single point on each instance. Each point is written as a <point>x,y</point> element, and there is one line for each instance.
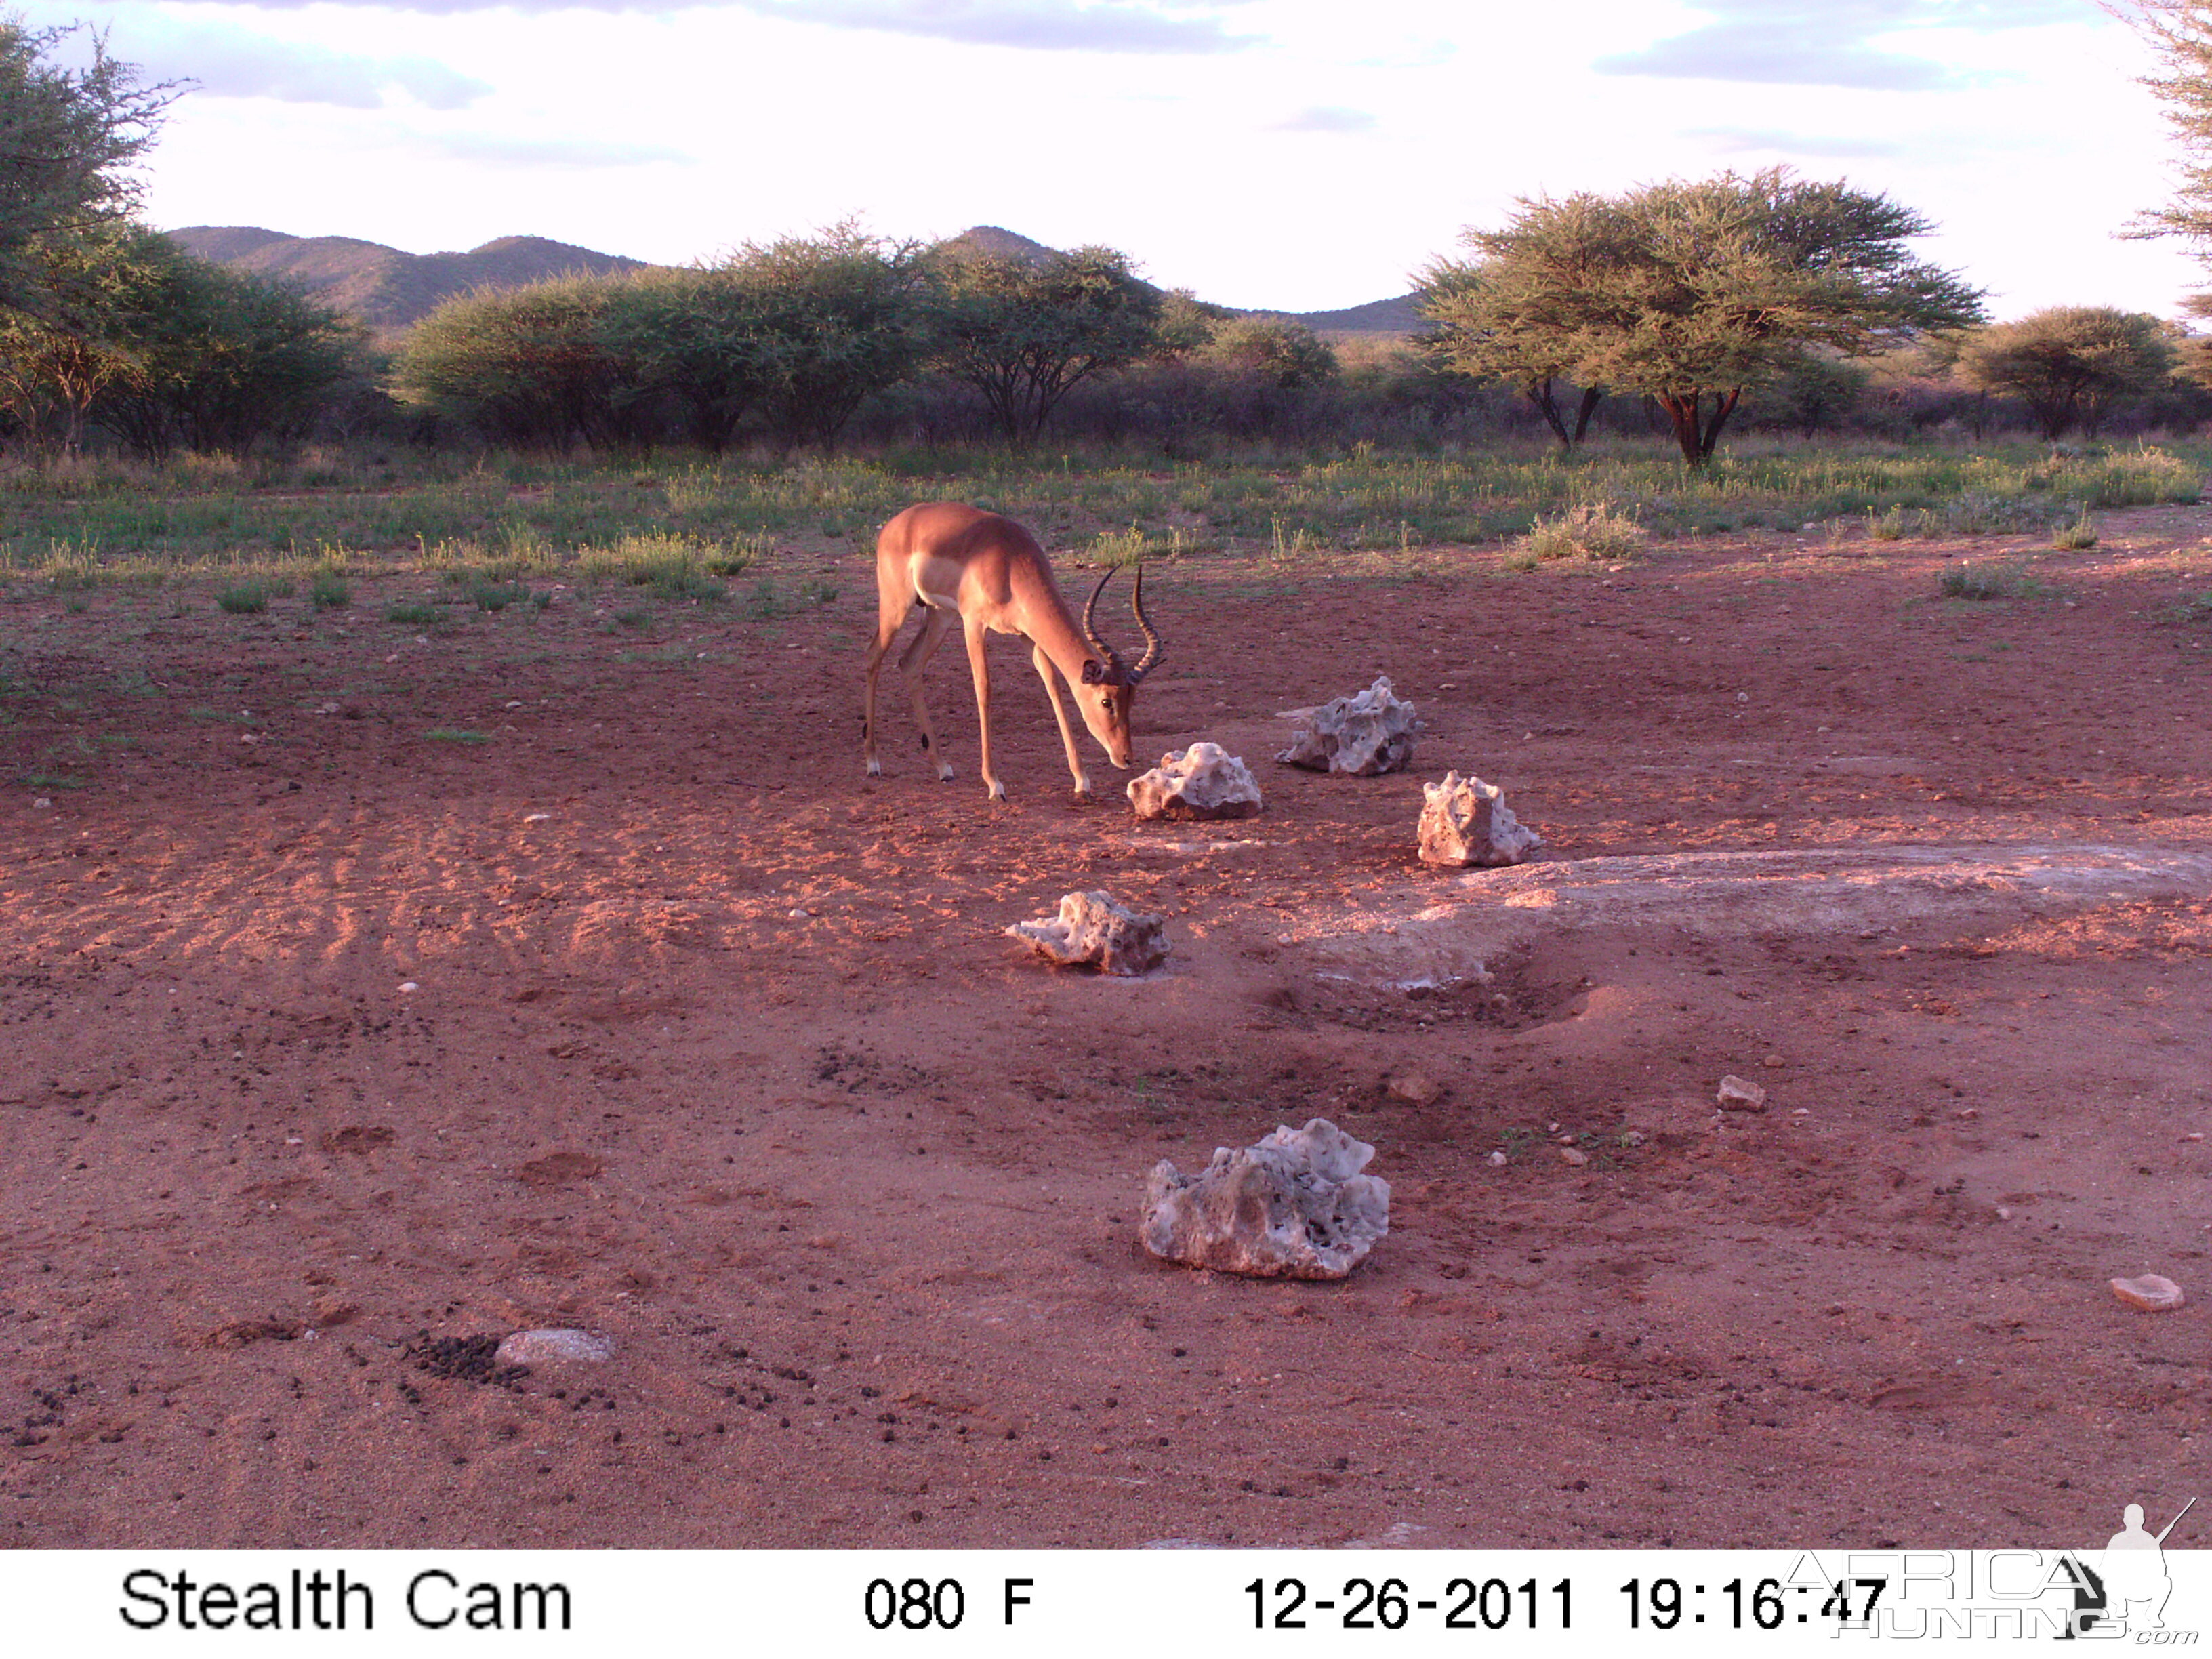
<point>982,673</point>
<point>1051,678</point>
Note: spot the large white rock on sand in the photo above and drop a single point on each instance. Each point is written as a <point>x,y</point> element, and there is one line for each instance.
<point>1466,822</point>
<point>1364,735</point>
<point>1295,1206</point>
<point>1092,929</point>
<point>1202,781</point>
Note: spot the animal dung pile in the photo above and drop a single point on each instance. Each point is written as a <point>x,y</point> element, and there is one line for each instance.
<point>1202,781</point>
<point>1294,1207</point>
<point>1092,929</point>
<point>1364,735</point>
<point>1467,822</point>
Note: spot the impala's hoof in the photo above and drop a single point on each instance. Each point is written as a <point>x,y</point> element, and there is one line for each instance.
<point>875,769</point>
<point>997,791</point>
<point>1083,788</point>
<point>944,774</point>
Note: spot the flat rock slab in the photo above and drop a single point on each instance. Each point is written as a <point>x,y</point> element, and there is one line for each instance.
<point>2151,1292</point>
<point>554,1347</point>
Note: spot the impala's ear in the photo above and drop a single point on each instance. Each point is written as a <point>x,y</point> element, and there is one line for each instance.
<point>1092,673</point>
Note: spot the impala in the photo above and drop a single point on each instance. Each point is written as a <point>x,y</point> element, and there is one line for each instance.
<point>951,560</point>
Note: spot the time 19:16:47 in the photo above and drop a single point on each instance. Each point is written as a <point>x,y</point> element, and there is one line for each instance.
<point>1363,1604</point>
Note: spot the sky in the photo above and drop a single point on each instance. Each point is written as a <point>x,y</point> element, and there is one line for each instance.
<point>1286,155</point>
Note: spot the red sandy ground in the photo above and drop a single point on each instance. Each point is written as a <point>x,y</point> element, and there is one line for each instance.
<point>726,1056</point>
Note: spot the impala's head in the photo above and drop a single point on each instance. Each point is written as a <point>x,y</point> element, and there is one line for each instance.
<point>1109,686</point>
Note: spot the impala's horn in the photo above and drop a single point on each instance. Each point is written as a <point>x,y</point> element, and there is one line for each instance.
<point>1152,643</point>
<point>1107,654</point>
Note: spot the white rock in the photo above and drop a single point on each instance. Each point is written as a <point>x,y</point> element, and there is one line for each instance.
<point>40,802</point>
<point>1498,1160</point>
<point>1466,822</point>
<point>1202,781</point>
<point>1092,928</point>
<point>1363,735</point>
<point>1295,1206</point>
<point>1740,1095</point>
<point>551,1347</point>
<point>407,987</point>
<point>2150,1293</point>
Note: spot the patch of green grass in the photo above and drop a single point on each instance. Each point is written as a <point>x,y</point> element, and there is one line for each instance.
<point>455,734</point>
<point>497,596</point>
<point>328,591</point>
<point>2076,534</point>
<point>56,780</point>
<point>1969,582</point>
<point>410,613</point>
<point>245,598</point>
<point>1593,530</point>
<point>635,617</point>
<point>666,654</point>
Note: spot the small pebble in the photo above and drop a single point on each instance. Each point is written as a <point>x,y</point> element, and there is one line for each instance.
<point>42,802</point>
<point>2150,1293</point>
<point>407,985</point>
<point>2192,1137</point>
<point>2003,1214</point>
<point>1498,1160</point>
<point>1774,1062</point>
<point>535,817</point>
<point>800,915</point>
<point>1574,1155</point>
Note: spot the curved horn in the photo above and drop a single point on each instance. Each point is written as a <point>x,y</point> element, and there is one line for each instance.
<point>1153,644</point>
<point>1107,652</point>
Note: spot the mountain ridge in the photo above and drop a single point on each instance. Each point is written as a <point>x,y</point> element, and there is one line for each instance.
<point>390,290</point>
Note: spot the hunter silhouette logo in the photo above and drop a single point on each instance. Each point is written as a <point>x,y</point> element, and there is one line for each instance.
<point>2135,1581</point>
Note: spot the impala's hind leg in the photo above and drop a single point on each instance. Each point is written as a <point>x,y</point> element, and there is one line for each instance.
<point>914,660</point>
<point>893,600</point>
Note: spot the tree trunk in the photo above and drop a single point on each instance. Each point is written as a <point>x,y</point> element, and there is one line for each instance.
<point>1538,392</point>
<point>1694,430</point>
<point>1591,394</point>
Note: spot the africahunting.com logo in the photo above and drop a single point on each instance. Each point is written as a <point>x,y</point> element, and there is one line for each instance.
<point>2117,1594</point>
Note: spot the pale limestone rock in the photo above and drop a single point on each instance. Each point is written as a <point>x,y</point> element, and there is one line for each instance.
<point>549,1347</point>
<point>1741,1094</point>
<point>1091,928</point>
<point>1467,822</point>
<point>2150,1293</point>
<point>1294,1207</point>
<point>1363,735</point>
<point>1202,781</point>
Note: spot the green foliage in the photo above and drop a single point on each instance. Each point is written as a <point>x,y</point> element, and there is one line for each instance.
<point>2077,534</point>
<point>67,139</point>
<point>1593,530</point>
<point>1967,581</point>
<point>330,591</point>
<point>532,366</point>
<point>1812,391</point>
<point>1689,292</point>
<point>1025,332</point>
<point>1274,351</point>
<point>244,599</point>
<point>455,734</point>
<point>413,614</point>
<point>2069,363</point>
<point>836,318</point>
<point>497,596</point>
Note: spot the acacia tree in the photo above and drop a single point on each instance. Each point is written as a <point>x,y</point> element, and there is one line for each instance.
<point>1691,292</point>
<point>2069,363</point>
<point>1498,317</point>
<point>1026,333</point>
<point>67,139</point>
<point>832,317</point>
<point>528,366</point>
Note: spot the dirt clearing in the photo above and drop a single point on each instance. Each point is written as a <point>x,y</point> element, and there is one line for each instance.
<point>717,1048</point>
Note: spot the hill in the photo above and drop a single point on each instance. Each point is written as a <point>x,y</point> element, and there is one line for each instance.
<point>390,290</point>
<point>383,287</point>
